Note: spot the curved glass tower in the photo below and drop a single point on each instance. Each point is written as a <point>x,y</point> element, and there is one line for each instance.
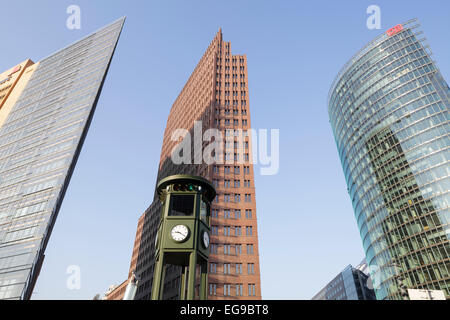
<point>389,111</point>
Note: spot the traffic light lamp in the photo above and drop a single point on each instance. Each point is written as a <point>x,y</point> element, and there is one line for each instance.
<point>186,187</point>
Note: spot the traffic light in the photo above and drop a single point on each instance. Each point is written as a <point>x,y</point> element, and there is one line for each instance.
<point>186,187</point>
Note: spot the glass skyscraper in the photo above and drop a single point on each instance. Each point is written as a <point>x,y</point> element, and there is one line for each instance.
<point>351,284</point>
<point>389,111</point>
<point>45,112</point>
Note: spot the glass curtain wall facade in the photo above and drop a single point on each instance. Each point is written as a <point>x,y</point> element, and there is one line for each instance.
<point>40,141</point>
<point>389,112</point>
<point>350,284</point>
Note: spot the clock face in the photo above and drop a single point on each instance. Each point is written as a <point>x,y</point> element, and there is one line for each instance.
<point>179,233</point>
<point>205,239</point>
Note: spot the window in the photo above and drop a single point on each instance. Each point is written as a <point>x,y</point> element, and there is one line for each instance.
<point>226,183</point>
<point>227,249</point>
<point>216,169</point>
<point>246,170</point>
<point>237,183</point>
<point>249,230</point>
<point>213,248</point>
<point>214,213</point>
<point>214,230</point>
<point>248,198</point>
<point>226,197</point>
<point>181,205</point>
<point>237,214</point>
<point>251,289</point>
<point>226,214</point>
<point>238,248</point>
<point>20,234</point>
<point>250,268</point>
<point>239,289</point>
<point>204,209</point>
<point>226,268</point>
<point>248,213</point>
<point>249,249</point>
<point>227,289</point>
<point>226,230</point>
<point>238,268</point>
<point>247,183</point>
<point>212,289</point>
<point>226,169</point>
<point>237,231</point>
<point>237,198</point>
<point>237,170</point>
<point>213,268</point>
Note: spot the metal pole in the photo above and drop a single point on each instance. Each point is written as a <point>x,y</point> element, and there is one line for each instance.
<point>191,276</point>
<point>204,281</point>
<point>183,283</point>
<point>158,278</point>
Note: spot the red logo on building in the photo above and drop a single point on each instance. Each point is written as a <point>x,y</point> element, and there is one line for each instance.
<point>394,30</point>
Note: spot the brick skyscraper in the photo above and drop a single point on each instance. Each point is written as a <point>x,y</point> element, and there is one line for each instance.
<point>217,95</point>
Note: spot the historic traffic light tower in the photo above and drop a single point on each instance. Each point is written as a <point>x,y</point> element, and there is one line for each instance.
<point>183,233</point>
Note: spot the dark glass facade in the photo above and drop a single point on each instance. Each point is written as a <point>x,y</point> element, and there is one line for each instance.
<point>389,111</point>
<point>351,284</point>
<point>40,141</point>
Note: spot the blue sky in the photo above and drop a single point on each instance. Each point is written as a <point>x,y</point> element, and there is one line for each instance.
<point>307,230</point>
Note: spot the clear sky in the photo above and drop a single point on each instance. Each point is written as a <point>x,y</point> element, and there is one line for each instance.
<point>307,230</point>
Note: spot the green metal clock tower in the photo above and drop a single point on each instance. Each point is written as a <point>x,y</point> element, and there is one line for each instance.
<point>183,233</point>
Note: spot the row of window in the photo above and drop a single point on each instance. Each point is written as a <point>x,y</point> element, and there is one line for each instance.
<point>233,68</point>
<point>227,84</point>
<point>237,198</point>
<point>227,289</point>
<point>227,170</point>
<point>235,144</point>
<point>229,249</point>
<point>229,268</point>
<point>234,60</point>
<point>227,111</point>
<point>234,93</point>
<point>227,183</point>
<point>232,230</point>
<point>228,214</point>
<point>227,122</point>
<point>227,76</point>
